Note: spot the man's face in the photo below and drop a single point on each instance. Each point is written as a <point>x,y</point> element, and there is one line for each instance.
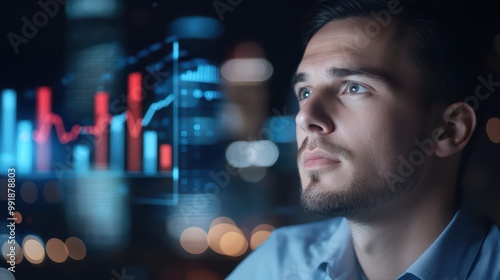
<point>359,112</point>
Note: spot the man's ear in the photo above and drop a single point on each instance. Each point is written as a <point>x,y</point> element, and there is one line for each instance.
<point>457,126</point>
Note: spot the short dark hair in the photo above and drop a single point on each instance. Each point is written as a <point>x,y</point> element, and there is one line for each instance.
<point>439,48</point>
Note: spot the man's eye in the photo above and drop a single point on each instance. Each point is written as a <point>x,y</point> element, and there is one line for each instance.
<point>303,93</point>
<point>355,88</point>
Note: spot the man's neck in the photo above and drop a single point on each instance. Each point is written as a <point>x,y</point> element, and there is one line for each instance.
<point>397,235</point>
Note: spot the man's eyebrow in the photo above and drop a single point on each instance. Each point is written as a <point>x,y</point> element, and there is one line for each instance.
<point>298,78</point>
<point>364,72</point>
<point>345,72</point>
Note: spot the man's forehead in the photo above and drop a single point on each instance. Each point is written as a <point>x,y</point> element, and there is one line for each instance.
<point>346,41</point>
<point>337,46</point>
<point>357,30</point>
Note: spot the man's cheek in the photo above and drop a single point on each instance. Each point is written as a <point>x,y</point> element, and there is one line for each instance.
<point>299,135</point>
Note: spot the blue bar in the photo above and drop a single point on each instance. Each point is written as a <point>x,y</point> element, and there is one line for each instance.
<point>81,156</point>
<point>175,51</point>
<point>24,147</point>
<point>175,116</point>
<point>117,143</point>
<point>150,155</point>
<point>8,136</point>
<point>175,173</point>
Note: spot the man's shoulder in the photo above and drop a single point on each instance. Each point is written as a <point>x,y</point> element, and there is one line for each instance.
<point>494,232</point>
<point>487,261</point>
<point>481,248</point>
<point>288,247</point>
<point>491,246</point>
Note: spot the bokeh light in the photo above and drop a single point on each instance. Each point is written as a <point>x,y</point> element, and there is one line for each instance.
<point>243,154</point>
<point>76,248</point>
<point>18,217</point>
<point>5,274</point>
<point>33,249</point>
<point>216,233</point>
<point>197,27</point>
<point>263,153</point>
<point>260,234</point>
<point>194,240</point>
<point>82,9</point>
<point>29,192</point>
<point>247,70</point>
<point>233,244</point>
<point>18,252</point>
<point>56,250</point>
<point>493,130</point>
<point>237,155</point>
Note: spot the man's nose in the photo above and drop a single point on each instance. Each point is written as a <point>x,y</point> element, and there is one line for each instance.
<point>315,114</point>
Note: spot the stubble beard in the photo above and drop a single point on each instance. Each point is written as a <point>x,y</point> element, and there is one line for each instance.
<point>358,198</point>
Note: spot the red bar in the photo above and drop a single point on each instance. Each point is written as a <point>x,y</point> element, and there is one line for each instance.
<point>101,118</point>
<point>134,122</point>
<point>101,103</point>
<point>43,114</point>
<point>165,157</point>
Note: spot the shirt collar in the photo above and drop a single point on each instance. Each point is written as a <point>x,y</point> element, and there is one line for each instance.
<point>338,256</point>
<point>453,252</point>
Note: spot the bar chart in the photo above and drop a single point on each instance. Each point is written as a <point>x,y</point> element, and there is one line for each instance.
<point>161,138</point>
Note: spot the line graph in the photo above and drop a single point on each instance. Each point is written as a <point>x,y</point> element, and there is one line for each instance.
<point>159,137</point>
<point>111,149</point>
<point>131,119</point>
<point>42,134</point>
<point>134,124</point>
<point>155,107</point>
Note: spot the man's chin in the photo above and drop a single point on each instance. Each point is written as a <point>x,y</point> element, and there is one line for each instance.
<point>315,199</point>
<point>340,201</point>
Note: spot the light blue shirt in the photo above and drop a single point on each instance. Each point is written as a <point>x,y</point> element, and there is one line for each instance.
<point>468,248</point>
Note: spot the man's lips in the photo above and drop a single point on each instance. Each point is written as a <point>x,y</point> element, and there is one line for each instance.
<point>317,159</point>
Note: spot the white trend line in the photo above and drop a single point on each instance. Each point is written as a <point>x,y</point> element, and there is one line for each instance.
<point>155,107</point>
